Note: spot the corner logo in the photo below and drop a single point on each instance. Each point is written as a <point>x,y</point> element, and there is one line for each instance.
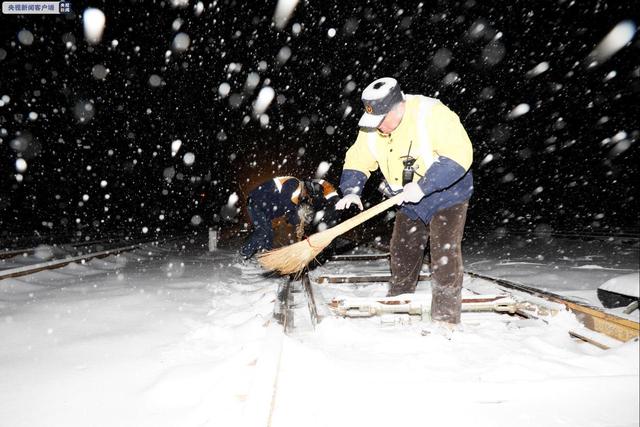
<point>35,7</point>
<point>368,108</point>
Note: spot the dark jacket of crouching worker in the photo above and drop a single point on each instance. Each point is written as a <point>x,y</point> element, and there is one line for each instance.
<point>306,205</point>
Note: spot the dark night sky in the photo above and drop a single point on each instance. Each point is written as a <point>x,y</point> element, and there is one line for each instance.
<point>571,162</point>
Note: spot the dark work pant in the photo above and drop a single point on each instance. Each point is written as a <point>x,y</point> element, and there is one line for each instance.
<point>262,235</point>
<point>408,244</point>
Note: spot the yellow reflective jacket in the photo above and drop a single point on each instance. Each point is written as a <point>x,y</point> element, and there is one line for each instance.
<point>433,135</point>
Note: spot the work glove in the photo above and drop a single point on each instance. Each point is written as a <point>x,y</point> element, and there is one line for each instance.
<point>305,213</point>
<point>412,193</point>
<point>347,201</point>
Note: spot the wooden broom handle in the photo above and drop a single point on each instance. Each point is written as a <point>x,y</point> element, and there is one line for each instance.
<point>347,225</point>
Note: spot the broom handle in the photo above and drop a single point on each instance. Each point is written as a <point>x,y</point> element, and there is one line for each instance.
<point>347,225</point>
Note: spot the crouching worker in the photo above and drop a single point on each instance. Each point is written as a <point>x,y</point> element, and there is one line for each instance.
<point>307,205</point>
<point>283,196</point>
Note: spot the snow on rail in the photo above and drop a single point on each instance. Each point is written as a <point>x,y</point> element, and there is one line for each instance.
<point>56,263</point>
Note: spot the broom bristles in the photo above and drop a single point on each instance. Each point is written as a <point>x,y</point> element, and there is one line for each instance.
<point>293,258</point>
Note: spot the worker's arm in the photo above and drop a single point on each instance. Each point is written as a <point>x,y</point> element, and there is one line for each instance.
<point>358,165</point>
<point>289,197</point>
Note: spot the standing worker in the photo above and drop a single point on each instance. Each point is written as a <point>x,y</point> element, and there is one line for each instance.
<point>423,151</point>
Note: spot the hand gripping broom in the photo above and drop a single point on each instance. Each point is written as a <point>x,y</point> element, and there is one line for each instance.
<point>293,258</point>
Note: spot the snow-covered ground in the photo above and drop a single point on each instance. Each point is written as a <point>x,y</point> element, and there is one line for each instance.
<point>173,337</point>
<point>155,337</point>
<point>574,267</point>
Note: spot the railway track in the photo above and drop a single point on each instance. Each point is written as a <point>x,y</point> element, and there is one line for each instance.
<point>57,242</point>
<point>298,311</point>
<point>52,264</point>
<point>4,254</point>
<point>600,327</point>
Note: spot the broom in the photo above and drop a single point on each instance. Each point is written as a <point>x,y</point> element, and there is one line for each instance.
<point>293,258</point>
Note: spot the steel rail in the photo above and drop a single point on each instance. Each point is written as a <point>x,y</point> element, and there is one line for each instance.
<point>61,262</point>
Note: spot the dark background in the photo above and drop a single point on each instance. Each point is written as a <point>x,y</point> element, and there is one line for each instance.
<point>557,167</point>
